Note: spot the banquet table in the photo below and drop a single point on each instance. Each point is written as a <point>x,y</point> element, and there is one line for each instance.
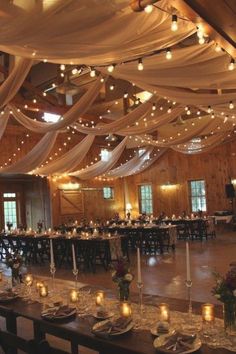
<point>90,250</point>
<point>78,331</point>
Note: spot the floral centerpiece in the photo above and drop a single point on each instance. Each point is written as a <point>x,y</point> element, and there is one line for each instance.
<point>122,276</point>
<point>15,261</point>
<point>225,291</point>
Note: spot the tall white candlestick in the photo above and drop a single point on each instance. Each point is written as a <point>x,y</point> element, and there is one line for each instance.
<point>139,276</point>
<point>188,276</point>
<point>73,257</point>
<point>51,253</point>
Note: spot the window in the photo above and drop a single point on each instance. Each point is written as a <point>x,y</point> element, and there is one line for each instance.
<point>10,209</point>
<point>198,195</point>
<point>145,199</point>
<point>108,192</point>
<point>105,154</point>
<point>51,117</point>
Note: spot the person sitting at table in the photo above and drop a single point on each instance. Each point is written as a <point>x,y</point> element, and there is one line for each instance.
<point>184,214</point>
<point>142,217</point>
<point>161,217</point>
<point>128,215</point>
<point>116,217</point>
<point>200,213</point>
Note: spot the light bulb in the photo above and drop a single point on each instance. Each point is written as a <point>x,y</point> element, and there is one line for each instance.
<point>198,113</point>
<point>200,33</point>
<point>188,112</point>
<point>201,40</point>
<point>110,68</point>
<point>209,109</point>
<point>217,48</point>
<point>174,23</point>
<point>62,67</point>
<point>154,107</point>
<point>148,9</point>
<point>112,87</point>
<point>231,64</point>
<point>169,110</point>
<point>74,71</point>
<point>231,105</point>
<point>140,65</point>
<point>168,54</point>
<point>126,95</point>
<point>92,72</point>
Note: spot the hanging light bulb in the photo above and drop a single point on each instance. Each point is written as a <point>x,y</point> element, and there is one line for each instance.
<point>200,33</point>
<point>188,112</point>
<point>74,71</point>
<point>112,87</point>
<point>213,115</point>
<point>92,72</point>
<point>217,48</point>
<point>231,105</point>
<point>126,94</point>
<point>198,113</point>
<point>140,64</point>
<point>154,106</point>
<point>201,40</point>
<point>168,54</point>
<point>174,23</point>
<point>62,67</point>
<point>231,64</point>
<point>111,68</point>
<point>209,109</point>
<point>148,9</point>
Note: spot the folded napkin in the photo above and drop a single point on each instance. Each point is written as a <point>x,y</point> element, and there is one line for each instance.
<point>57,312</point>
<point>178,343</point>
<point>112,327</point>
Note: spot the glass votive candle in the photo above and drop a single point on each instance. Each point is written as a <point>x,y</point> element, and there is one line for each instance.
<point>74,296</point>
<point>29,279</point>
<point>100,297</point>
<point>164,312</point>
<point>125,309</point>
<point>43,291</point>
<point>39,284</point>
<point>208,315</point>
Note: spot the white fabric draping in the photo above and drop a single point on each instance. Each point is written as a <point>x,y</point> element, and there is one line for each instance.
<point>147,163</point>
<point>193,66</point>
<point>3,121</point>
<point>70,160</point>
<point>86,32</point>
<point>79,108</point>
<point>101,167</point>
<point>119,123</point>
<point>34,158</point>
<point>12,84</point>
<point>130,165</point>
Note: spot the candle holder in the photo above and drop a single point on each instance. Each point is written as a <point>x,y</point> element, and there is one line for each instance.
<point>53,271</point>
<point>75,273</point>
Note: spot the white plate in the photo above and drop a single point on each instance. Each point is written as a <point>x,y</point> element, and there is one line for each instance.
<point>109,315</point>
<point>46,315</point>
<point>99,324</point>
<point>155,333</point>
<point>159,341</point>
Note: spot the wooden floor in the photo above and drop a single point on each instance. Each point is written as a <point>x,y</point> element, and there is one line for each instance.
<point>162,275</point>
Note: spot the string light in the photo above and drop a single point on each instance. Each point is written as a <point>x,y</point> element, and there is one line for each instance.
<point>148,9</point>
<point>74,71</point>
<point>92,72</point>
<point>168,54</point>
<point>140,64</point>
<point>231,105</point>
<point>154,106</point>
<point>217,48</point>
<point>111,68</point>
<point>209,109</point>
<point>112,87</point>
<point>231,64</point>
<point>174,23</point>
<point>126,95</point>
<point>62,67</point>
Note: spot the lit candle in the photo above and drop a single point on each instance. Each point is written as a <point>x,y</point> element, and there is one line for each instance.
<point>43,291</point>
<point>188,277</point>
<point>76,222</point>
<point>49,230</point>
<point>208,313</point>
<point>164,312</point>
<point>125,309</point>
<point>73,257</point>
<point>39,284</point>
<point>139,276</point>
<point>74,232</point>
<point>192,216</point>
<point>100,297</point>
<point>109,234</point>
<point>173,216</point>
<point>29,279</point>
<point>74,296</point>
<point>51,254</point>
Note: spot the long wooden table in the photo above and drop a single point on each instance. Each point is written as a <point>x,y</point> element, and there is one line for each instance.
<point>78,331</point>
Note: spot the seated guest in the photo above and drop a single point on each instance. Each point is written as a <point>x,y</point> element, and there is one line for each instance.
<point>142,217</point>
<point>184,214</point>
<point>200,213</point>
<point>128,216</point>
<point>162,216</point>
<point>116,217</point>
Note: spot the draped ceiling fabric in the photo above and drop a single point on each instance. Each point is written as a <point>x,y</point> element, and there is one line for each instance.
<point>101,167</point>
<point>79,108</point>
<point>4,116</point>
<point>12,84</point>
<point>86,32</point>
<point>35,157</point>
<point>69,160</point>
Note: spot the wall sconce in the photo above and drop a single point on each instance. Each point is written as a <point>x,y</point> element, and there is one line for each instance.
<point>168,186</point>
<point>69,186</point>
